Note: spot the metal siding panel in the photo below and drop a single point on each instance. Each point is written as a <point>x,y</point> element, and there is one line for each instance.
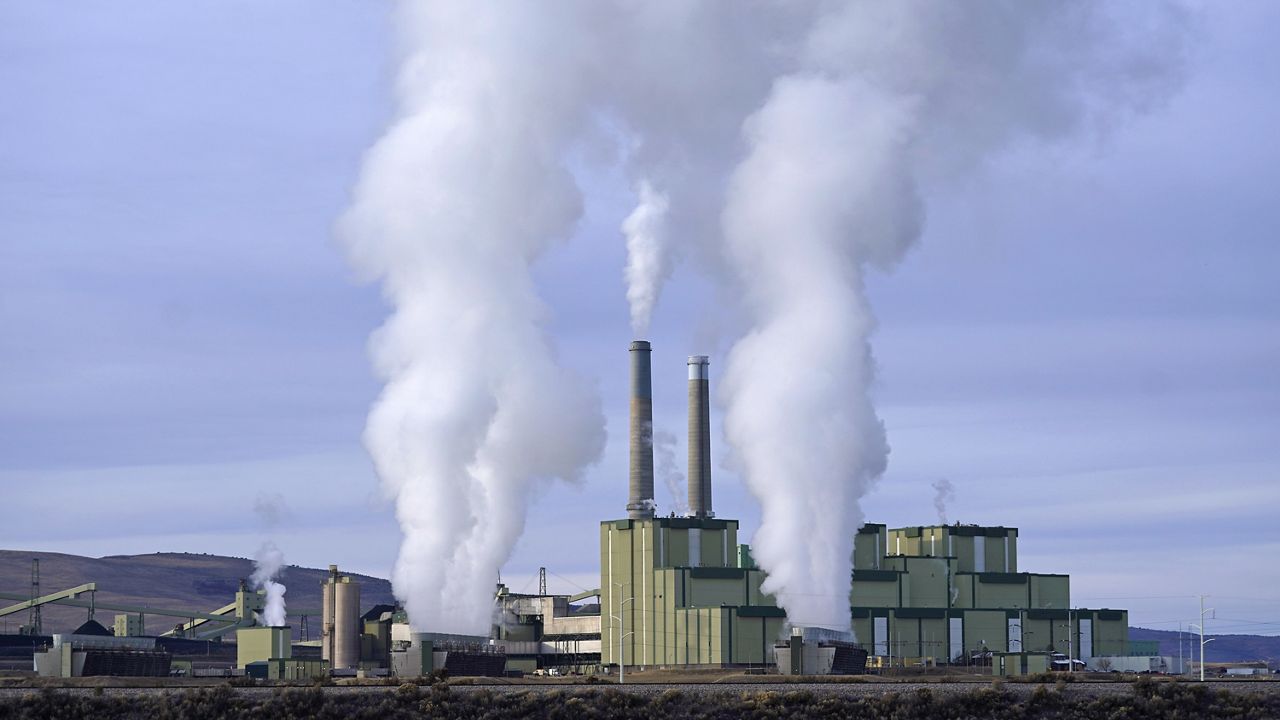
<point>933,637</point>
<point>955,637</point>
<point>880,635</point>
<point>1014,633</point>
<point>985,628</point>
<point>1085,626</point>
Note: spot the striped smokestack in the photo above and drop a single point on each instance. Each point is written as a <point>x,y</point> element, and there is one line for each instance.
<point>640,501</point>
<point>699,437</point>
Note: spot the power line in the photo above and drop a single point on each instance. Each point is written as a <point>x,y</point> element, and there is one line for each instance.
<point>570,581</point>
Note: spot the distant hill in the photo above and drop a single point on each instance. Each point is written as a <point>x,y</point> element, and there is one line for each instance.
<point>173,581</point>
<point>1224,648</point>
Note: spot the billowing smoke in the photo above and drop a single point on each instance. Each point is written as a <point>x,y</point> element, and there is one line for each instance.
<point>789,146</point>
<point>943,493</point>
<point>796,387</point>
<point>886,99</point>
<point>267,564</point>
<point>455,202</point>
<point>271,509</point>
<point>668,469</point>
<point>648,258</point>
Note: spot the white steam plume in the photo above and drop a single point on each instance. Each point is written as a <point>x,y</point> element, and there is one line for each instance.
<point>943,493</point>
<point>267,564</point>
<point>454,204</point>
<point>271,509</point>
<point>648,257</point>
<point>789,146</point>
<point>799,412</point>
<point>668,468</point>
<point>886,97</point>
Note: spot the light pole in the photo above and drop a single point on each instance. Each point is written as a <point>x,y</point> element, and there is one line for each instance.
<point>1200,627</point>
<point>622,626</point>
<point>1182,669</point>
<point>1071,644</point>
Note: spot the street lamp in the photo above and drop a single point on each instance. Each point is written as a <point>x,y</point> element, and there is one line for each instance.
<point>1071,643</point>
<point>1200,627</point>
<point>622,649</point>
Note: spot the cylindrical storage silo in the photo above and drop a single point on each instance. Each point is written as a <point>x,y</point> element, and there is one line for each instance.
<point>340,606</point>
<point>346,624</point>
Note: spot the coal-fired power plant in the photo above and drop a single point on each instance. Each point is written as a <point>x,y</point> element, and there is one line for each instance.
<point>640,500</point>
<point>677,590</point>
<point>699,437</point>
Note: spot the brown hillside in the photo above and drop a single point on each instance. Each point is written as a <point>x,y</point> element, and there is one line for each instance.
<point>176,581</point>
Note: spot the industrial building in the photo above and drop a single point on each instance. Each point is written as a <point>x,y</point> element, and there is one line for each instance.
<point>351,644</point>
<point>682,591</point>
<point>94,650</point>
<point>545,632</point>
<point>421,653</point>
<point>674,592</point>
<point>267,653</point>
<point>263,643</point>
<point>954,594</point>
<point>819,651</point>
<point>679,591</point>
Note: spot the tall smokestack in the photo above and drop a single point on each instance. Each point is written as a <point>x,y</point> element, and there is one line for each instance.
<point>640,502</point>
<point>699,437</point>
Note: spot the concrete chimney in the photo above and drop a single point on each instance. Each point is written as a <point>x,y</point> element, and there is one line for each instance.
<point>640,500</point>
<point>699,437</point>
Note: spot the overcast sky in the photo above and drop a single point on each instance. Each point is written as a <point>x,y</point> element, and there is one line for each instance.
<point>1086,343</point>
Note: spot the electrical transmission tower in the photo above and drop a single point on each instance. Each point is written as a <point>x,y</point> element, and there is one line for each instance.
<point>542,581</point>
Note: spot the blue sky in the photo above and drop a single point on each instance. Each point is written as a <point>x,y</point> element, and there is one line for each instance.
<point>1085,342</point>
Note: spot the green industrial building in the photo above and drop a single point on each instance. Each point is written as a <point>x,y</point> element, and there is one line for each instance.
<point>255,644</point>
<point>672,593</point>
<point>953,594</point>
<point>678,591</point>
<point>681,591</point>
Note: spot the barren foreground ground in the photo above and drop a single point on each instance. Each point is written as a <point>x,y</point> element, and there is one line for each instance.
<point>915,700</point>
<point>651,685</point>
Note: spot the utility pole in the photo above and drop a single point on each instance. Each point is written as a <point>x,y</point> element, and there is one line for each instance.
<point>1182,668</point>
<point>890,650</point>
<point>1200,627</point>
<point>622,634</point>
<point>1201,638</point>
<point>1071,666</point>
